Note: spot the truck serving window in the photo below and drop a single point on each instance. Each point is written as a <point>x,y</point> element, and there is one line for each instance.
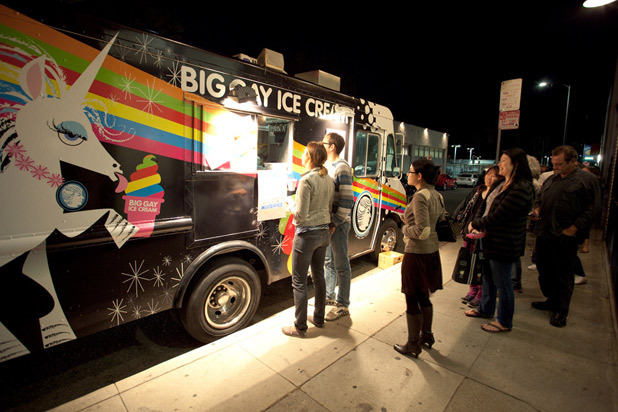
<point>366,154</point>
<point>273,141</point>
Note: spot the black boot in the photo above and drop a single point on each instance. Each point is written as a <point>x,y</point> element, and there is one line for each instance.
<point>427,338</point>
<point>412,346</point>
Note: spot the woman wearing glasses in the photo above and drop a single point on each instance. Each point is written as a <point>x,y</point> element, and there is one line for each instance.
<point>421,270</point>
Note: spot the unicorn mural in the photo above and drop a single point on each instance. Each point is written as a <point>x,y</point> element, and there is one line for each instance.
<point>45,131</point>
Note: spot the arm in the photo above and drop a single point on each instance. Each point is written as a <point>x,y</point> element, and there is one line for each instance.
<point>345,181</point>
<point>303,195</point>
<point>516,201</point>
<point>418,208</point>
<point>592,205</point>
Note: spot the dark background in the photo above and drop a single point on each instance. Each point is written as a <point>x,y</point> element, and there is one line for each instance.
<point>438,66</point>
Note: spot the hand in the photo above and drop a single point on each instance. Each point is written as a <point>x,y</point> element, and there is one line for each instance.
<point>471,229</point>
<point>570,231</point>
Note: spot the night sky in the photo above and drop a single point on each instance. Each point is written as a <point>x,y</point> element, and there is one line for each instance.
<point>438,66</point>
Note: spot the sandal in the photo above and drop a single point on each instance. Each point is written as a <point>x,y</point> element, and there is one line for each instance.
<point>494,327</point>
<point>474,313</point>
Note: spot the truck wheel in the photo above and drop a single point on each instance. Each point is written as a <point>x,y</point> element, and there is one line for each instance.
<point>386,239</point>
<point>223,301</point>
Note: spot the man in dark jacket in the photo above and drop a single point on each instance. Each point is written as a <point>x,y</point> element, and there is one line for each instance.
<point>566,206</point>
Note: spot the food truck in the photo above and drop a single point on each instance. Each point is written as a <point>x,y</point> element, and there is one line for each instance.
<point>140,174</point>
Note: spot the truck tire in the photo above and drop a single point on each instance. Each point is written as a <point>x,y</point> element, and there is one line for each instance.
<point>223,301</point>
<point>386,239</point>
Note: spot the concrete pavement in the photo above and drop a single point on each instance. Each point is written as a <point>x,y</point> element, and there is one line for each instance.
<point>351,365</point>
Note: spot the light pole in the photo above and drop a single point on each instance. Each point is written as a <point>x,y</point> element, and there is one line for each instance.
<point>470,150</point>
<point>455,154</point>
<point>566,115</point>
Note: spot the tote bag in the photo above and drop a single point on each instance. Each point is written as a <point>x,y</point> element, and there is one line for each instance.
<point>468,268</point>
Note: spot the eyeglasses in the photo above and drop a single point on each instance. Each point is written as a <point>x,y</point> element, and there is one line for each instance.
<point>327,143</point>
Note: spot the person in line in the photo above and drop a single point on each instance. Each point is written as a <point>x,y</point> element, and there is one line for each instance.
<point>465,212</point>
<point>421,269</point>
<point>337,266</point>
<point>504,221</point>
<point>311,212</point>
<point>535,170</point>
<point>586,246</point>
<point>566,208</point>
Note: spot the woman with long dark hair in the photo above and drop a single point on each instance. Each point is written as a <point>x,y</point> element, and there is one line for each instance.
<point>466,212</point>
<point>421,270</point>
<point>311,212</point>
<point>504,219</point>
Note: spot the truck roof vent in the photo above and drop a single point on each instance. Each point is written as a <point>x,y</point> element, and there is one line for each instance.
<point>321,78</point>
<point>271,59</point>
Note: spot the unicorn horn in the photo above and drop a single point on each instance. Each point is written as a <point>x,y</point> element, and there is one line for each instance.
<point>82,84</point>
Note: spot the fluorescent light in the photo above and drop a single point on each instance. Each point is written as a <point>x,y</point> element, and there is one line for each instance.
<point>596,3</point>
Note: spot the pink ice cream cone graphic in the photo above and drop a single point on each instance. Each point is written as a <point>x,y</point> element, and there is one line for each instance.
<point>144,196</point>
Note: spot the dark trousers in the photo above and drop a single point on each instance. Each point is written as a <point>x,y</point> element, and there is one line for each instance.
<point>309,250</point>
<point>555,259</point>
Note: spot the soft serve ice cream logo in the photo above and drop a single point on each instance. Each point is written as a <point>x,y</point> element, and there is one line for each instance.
<point>144,196</point>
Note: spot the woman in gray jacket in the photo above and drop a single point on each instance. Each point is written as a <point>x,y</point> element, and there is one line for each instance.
<point>421,270</point>
<point>311,212</point>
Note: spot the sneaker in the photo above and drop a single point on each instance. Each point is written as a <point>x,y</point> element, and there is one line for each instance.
<point>337,312</point>
<point>292,331</point>
<point>580,280</point>
<point>467,299</point>
<point>474,303</point>
<point>311,320</point>
<point>331,302</point>
<point>532,266</point>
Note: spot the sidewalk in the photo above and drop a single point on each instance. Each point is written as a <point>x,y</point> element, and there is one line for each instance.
<point>351,364</point>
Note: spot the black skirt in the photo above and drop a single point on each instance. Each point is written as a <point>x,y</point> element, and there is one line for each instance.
<point>421,273</point>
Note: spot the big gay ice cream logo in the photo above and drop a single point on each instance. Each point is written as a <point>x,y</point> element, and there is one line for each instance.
<point>144,196</point>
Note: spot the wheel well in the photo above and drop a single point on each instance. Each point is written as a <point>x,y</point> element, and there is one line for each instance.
<point>205,266</point>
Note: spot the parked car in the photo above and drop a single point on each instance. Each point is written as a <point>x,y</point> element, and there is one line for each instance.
<point>467,179</point>
<point>444,182</point>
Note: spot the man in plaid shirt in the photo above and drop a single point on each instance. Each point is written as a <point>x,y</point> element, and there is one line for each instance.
<point>337,263</point>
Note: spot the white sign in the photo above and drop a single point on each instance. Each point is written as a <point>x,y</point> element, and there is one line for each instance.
<point>510,95</point>
<point>272,192</point>
<point>508,120</point>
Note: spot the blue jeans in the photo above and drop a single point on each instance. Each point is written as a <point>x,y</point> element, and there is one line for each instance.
<point>309,249</point>
<point>498,281</point>
<point>337,265</point>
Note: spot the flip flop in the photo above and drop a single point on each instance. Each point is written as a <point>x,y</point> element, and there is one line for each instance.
<point>474,313</point>
<point>494,327</point>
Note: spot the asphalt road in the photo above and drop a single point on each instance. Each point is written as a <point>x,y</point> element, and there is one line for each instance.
<point>44,380</point>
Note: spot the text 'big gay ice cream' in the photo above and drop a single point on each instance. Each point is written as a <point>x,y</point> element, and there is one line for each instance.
<point>144,196</point>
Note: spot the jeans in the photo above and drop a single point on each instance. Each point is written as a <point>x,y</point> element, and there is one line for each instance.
<point>555,260</point>
<point>337,265</point>
<point>498,281</point>
<point>309,249</point>
<point>516,275</point>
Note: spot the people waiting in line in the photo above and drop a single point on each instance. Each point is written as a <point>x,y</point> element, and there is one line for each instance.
<point>566,208</point>
<point>311,211</point>
<point>465,212</point>
<point>503,219</point>
<point>421,270</point>
<point>337,267</point>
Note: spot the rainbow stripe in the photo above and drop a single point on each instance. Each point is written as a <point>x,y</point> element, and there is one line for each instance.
<point>139,110</point>
<point>391,199</point>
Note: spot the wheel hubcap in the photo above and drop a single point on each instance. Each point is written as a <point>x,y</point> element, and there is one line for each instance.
<point>228,302</point>
<point>389,240</point>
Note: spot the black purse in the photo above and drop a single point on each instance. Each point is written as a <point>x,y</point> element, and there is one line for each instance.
<point>468,268</point>
<point>445,227</point>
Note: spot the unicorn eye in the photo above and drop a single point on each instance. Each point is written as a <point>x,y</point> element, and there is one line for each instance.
<point>71,133</point>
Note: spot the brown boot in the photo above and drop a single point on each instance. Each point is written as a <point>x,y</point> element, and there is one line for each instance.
<point>427,338</point>
<point>412,346</point>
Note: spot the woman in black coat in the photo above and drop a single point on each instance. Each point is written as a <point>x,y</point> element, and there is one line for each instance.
<point>504,220</point>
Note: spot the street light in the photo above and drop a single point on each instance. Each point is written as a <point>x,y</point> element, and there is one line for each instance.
<point>566,115</point>
<point>455,154</point>
<point>470,150</point>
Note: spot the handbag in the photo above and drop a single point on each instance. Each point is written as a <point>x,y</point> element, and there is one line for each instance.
<point>468,268</point>
<point>445,227</point>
